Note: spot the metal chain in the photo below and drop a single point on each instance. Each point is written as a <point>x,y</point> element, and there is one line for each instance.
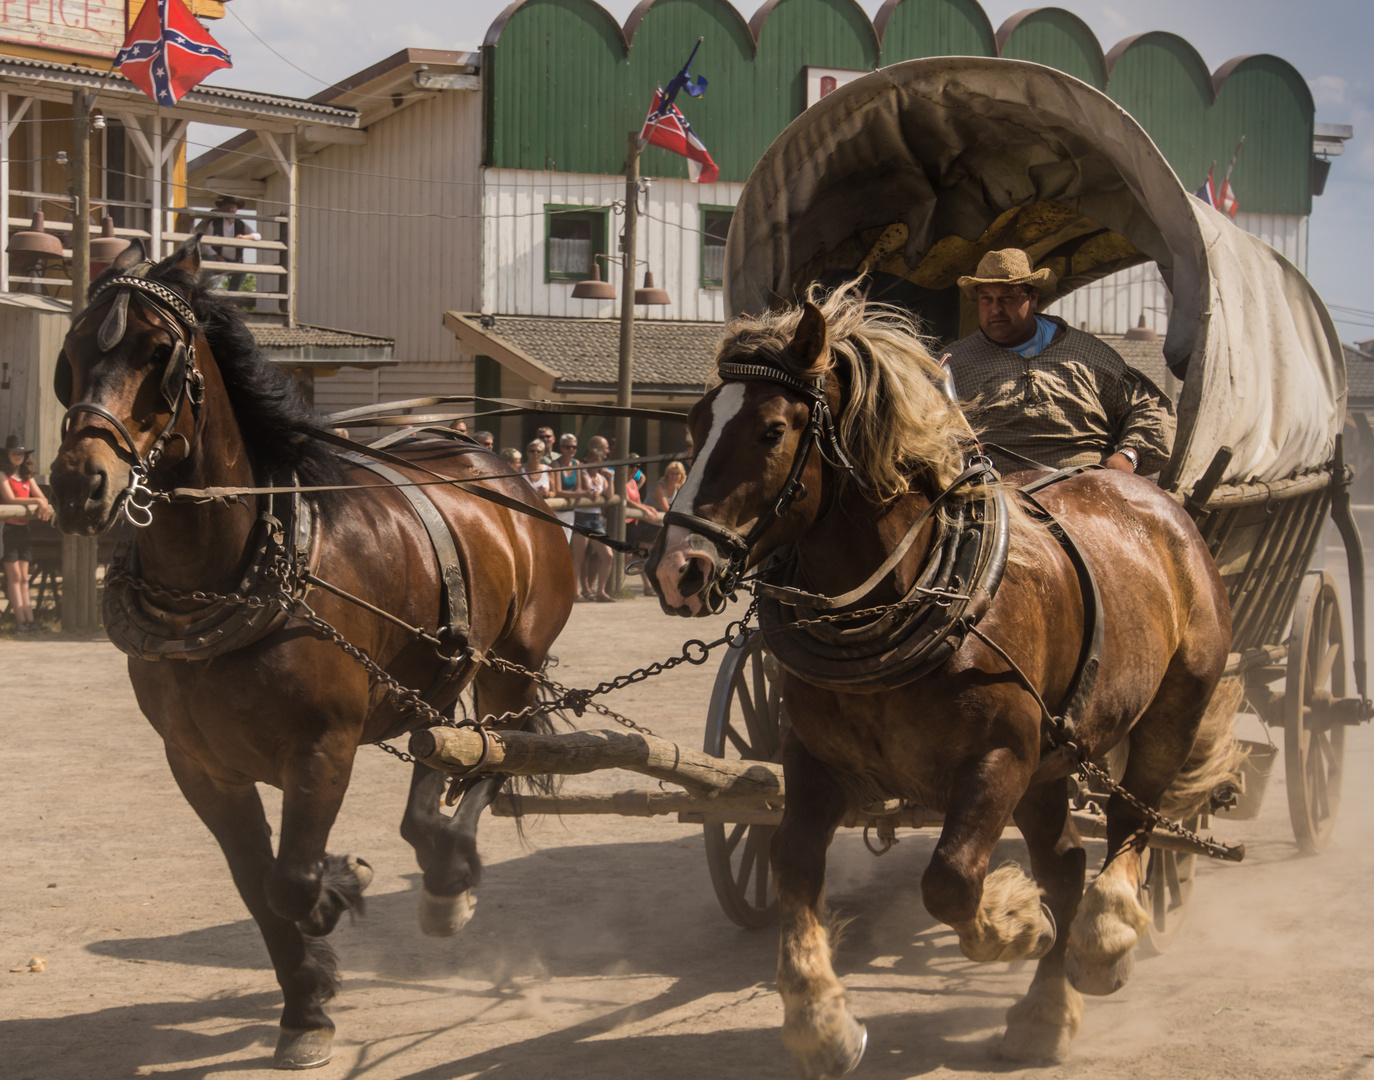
<point>1153,818</point>
<point>939,597</point>
<point>694,652</point>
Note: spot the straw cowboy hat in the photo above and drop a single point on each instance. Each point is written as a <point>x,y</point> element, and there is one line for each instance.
<point>223,199</point>
<point>1010,266</point>
<point>12,443</point>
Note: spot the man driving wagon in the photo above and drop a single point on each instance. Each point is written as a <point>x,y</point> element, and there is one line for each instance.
<point>1044,394</point>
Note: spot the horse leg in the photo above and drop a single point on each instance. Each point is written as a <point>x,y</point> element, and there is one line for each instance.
<point>305,967</point>
<point>997,916</point>
<point>818,1028</point>
<point>446,847</point>
<point>1042,1024</point>
<point>1110,920</point>
<point>306,884</point>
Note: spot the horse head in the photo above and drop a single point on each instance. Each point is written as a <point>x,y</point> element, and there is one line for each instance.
<point>755,482</point>
<point>129,377</point>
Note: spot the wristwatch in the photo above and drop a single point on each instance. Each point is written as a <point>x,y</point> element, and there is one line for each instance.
<point>1131,456</point>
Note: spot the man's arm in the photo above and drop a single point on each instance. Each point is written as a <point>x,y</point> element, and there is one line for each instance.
<point>1143,419</point>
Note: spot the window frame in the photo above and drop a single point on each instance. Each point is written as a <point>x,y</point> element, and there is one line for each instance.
<point>709,208</point>
<point>599,217</point>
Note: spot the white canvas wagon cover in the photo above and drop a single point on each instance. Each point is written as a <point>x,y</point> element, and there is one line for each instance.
<point>912,172</point>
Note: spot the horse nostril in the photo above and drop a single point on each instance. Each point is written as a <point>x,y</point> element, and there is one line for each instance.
<point>691,579</point>
<point>95,485</point>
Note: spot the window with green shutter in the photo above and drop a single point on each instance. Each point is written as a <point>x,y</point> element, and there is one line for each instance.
<point>715,226</point>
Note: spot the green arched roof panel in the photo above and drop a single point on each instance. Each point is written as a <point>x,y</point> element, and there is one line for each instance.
<point>1162,81</point>
<point>1056,38</point>
<point>912,29</point>
<point>793,35</point>
<point>564,83</point>
<point>662,33</point>
<point>1264,99</point>
<point>562,63</point>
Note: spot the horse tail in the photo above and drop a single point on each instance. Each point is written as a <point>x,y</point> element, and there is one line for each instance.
<point>1215,759</point>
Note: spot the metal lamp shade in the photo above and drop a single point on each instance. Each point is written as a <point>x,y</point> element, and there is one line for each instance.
<point>650,294</point>
<point>106,247</point>
<point>594,288</point>
<point>34,244</point>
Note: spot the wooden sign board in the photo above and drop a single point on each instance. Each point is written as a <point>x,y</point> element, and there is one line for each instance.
<point>90,27</point>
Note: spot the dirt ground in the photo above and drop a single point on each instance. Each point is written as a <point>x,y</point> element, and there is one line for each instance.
<point>598,949</point>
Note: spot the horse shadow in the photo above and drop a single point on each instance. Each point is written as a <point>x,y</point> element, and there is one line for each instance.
<point>660,923</point>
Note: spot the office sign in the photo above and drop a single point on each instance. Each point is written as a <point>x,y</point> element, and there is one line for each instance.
<point>91,27</point>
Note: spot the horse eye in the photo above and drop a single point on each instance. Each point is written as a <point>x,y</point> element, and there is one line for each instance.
<point>162,354</point>
<point>774,432</point>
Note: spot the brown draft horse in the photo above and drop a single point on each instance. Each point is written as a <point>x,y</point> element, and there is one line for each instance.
<point>967,738</point>
<point>291,708</point>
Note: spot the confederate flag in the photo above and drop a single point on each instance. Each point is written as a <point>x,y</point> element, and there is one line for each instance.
<point>168,52</point>
<point>665,126</point>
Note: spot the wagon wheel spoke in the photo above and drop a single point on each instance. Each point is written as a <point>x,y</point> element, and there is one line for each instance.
<point>732,841</point>
<point>1323,635</point>
<point>737,741</point>
<point>1316,773</point>
<point>1326,665</point>
<point>751,720</point>
<point>762,729</point>
<point>750,859</point>
<point>1173,887</point>
<point>761,878</point>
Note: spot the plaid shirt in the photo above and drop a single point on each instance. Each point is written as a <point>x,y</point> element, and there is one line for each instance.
<point>1075,403</point>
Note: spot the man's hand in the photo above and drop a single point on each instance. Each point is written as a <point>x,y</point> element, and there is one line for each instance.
<point>1118,461</point>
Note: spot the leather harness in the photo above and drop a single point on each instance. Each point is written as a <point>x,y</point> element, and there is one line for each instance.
<point>952,593</point>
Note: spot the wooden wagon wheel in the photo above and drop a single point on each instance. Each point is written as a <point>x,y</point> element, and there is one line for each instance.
<point>1314,752</point>
<point>745,721</point>
<point>1166,888</point>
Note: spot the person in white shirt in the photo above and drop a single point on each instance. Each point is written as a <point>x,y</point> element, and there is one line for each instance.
<point>230,225</point>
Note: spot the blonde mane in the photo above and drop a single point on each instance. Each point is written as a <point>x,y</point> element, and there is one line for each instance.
<point>897,425</point>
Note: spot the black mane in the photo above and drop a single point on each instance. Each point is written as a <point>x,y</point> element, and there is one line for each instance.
<point>271,412</point>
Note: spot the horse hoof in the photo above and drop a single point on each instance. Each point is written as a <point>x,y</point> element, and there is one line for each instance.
<point>362,870</point>
<point>304,1049</point>
<point>444,916</point>
<point>1098,979</point>
<point>1048,933</point>
<point>1035,1044</point>
<point>838,1059</point>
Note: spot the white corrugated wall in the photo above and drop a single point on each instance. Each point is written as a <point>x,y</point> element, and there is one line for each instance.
<point>1115,304</point>
<point>668,237</point>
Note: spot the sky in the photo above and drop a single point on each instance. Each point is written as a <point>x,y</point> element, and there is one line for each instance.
<point>1331,42</point>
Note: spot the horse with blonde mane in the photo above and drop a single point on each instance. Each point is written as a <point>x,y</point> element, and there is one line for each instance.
<point>953,726</point>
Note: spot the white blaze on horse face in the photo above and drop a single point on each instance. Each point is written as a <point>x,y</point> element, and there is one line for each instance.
<point>677,555</point>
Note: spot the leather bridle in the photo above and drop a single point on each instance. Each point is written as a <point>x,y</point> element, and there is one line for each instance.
<point>182,380</point>
<point>819,432</point>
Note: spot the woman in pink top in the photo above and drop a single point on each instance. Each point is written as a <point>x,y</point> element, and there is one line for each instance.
<point>18,488</point>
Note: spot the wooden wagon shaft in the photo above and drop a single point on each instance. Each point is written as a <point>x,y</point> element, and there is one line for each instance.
<point>520,753</point>
<point>750,810</point>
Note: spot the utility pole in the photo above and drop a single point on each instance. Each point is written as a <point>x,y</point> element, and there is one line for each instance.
<point>80,553</point>
<point>624,393</point>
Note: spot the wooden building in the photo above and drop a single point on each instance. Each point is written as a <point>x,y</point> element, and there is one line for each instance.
<point>488,183</point>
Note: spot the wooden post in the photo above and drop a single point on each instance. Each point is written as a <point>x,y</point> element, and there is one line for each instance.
<point>624,392</point>
<point>79,553</point>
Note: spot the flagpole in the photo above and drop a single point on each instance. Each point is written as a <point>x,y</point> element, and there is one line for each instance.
<point>624,392</point>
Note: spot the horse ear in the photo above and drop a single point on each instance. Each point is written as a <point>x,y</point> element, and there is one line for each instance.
<point>187,257</point>
<point>808,346</point>
<point>62,379</point>
<point>130,256</point>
